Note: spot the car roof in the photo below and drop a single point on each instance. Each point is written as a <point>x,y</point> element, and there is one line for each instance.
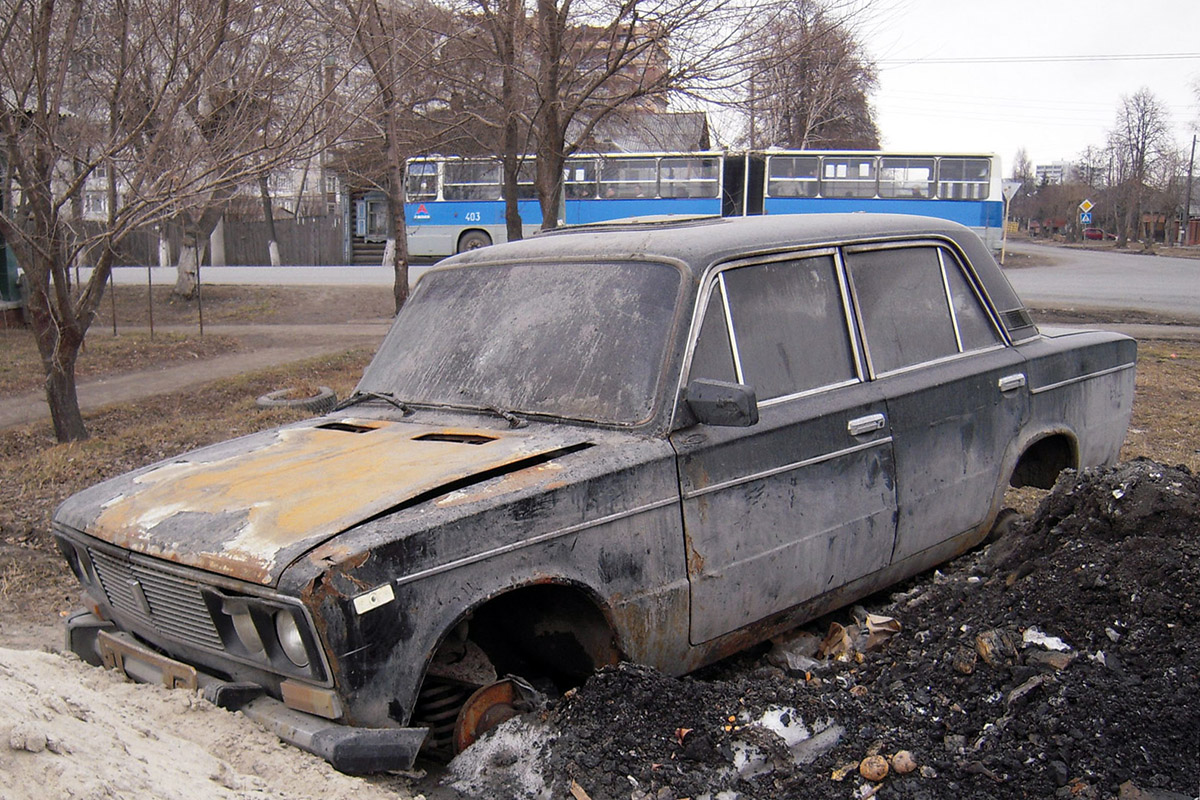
<point>700,242</point>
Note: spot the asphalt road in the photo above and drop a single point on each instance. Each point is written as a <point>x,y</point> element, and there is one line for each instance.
<point>1073,279</point>
<point>1103,279</point>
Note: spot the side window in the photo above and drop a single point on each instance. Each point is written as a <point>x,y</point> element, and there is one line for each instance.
<point>421,181</point>
<point>793,176</point>
<point>848,176</point>
<point>902,306</point>
<point>474,179</point>
<point>579,178</point>
<point>975,328</point>
<point>790,325</point>
<point>713,356</point>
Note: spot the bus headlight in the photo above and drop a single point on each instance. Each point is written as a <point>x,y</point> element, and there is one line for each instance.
<point>290,639</point>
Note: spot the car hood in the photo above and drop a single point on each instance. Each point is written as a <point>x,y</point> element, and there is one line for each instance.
<point>249,507</point>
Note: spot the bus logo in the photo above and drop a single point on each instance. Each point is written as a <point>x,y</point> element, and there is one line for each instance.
<point>422,212</point>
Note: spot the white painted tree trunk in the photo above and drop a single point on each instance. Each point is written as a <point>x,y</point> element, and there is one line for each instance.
<point>216,241</point>
<point>273,248</point>
<point>164,247</point>
<point>187,272</point>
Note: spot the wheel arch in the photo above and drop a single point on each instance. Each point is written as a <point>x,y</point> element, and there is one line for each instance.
<point>468,233</point>
<point>567,623</point>
<point>555,607</point>
<point>1043,456</point>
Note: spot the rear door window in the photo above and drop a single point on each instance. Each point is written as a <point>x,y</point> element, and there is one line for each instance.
<point>915,305</point>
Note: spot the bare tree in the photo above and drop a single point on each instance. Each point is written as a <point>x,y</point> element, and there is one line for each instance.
<point>119,92</point>
<point>507,28</point>
<point>394,98</point>
<point>1137,143</point>
<point>259,96</point>
<point>809,78</point>
<point>1021,206</point>
<point>593,59</point>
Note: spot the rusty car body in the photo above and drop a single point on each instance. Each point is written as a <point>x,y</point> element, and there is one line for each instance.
<point>658,442</point>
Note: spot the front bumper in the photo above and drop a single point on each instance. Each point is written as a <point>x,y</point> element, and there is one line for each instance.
<point>347,749</point>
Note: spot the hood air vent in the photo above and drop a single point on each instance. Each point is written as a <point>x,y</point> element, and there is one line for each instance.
<point>457,438</point>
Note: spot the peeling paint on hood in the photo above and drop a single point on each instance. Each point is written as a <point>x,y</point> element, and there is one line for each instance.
<point>250,512</point>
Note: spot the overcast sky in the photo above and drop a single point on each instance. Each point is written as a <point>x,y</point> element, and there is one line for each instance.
<point>987,100</point>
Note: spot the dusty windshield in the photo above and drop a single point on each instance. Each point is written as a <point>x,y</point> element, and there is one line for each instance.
<point>581,341</point>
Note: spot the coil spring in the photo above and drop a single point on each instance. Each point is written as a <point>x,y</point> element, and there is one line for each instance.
<point>437,709</point>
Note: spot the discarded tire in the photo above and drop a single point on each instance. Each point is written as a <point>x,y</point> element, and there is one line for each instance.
<point>324,400</point>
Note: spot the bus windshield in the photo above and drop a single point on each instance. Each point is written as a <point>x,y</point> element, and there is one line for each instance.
<point>492,337</point>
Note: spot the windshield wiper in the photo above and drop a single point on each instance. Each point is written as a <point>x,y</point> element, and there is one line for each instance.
<point>362,397</point>
<point>512,419</point>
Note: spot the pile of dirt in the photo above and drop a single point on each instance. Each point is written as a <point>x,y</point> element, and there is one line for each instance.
<point>1058,662</point>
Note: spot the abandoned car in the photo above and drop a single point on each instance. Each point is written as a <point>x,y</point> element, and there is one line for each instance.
<point>659,442</point>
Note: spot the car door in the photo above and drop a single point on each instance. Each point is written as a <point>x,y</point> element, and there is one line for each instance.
<point>956,392</point>
<point>803,501</point>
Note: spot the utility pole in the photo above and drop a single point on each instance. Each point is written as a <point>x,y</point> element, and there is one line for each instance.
<point>1186,215</point>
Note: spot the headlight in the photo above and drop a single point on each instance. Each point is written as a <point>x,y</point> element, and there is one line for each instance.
<point>290,639</point>
<point>79,561</point>
<point>243,625</point>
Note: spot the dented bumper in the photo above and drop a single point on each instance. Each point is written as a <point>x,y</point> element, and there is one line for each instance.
<point>347,749</point>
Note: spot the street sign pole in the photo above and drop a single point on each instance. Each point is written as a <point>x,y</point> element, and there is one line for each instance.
<point>1010,190</point>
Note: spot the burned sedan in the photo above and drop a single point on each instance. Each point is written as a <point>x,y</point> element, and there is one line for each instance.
<point>658,442</point>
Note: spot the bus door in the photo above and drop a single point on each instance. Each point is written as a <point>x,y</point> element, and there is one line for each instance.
<point>756,168</point>
<point>742,185</point>
<point>733,186</point>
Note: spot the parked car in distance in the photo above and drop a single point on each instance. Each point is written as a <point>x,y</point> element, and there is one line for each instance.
<point>659,443</point>
<point>1097,234</point>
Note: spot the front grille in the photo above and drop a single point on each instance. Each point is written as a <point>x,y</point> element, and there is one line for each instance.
<point>151,598</point>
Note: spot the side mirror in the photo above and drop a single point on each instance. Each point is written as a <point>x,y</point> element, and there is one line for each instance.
<point>721,403</point>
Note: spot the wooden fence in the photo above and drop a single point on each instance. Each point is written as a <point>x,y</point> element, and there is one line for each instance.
<point>304,241</point>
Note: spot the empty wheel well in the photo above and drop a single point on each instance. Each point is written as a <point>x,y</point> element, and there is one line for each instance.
<point>1041,462</point>
<point>548,631</point>
<point>551,635</point>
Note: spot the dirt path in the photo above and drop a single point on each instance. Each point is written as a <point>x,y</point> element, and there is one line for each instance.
<point>262,346</point>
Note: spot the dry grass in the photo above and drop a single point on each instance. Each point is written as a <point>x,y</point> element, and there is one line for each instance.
<point>1166,409</point>
<point>245,304</point>
<point>105,354</point>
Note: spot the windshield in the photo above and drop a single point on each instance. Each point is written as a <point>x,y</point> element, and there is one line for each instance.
<point>581,341</point>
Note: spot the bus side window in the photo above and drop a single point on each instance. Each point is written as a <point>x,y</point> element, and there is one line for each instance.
<point>421,181</point>
<point>579,178</point>
<point>963,178</point>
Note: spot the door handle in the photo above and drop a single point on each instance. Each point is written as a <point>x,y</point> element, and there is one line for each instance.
<point>1010,383</point>
<point>867,424</point>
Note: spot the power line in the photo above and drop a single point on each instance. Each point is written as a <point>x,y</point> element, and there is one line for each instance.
<point>902,62</point>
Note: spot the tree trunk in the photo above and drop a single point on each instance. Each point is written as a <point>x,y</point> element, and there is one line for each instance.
<point>399,228</point>
<point>551,136</point>
<point>269,216</point>
<point>195,242</point>
<point>191,253</point>
<point>58,345</point>
<point>63,400</point>
<point>512,213</point>
<point>508,93</point>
